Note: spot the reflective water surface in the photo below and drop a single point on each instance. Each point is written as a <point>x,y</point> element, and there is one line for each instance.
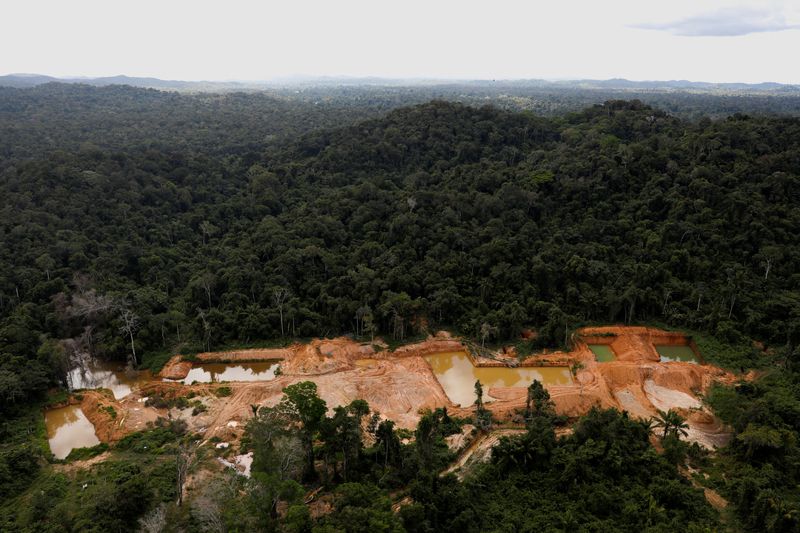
<point>670,354</point>
<point>67,429</point>
<point>94,374</point>
<point>216,372</point>
<point>457,375</point>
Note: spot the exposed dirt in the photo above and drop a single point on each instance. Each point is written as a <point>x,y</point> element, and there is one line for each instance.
<point>113,419</point>
<point>712,497</point>
<point>176,368</point>
<point>479,451</point>
<point>255,354</point>
<point>74,466</point>
<point>400,384</point>
<point>462,440</point>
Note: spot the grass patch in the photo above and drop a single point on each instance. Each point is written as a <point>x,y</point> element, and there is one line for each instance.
<point>81,454</point>
<point>155,441</point>
<point>56,397</point>
<point>110,496</point>
<point>23,447</point>
<point>223,392</point>
<point>154,362</point>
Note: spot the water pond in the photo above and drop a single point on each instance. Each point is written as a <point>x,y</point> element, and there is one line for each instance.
<point>457,375</point>
<point>602,353</point>
<point>67,429</point>
<point>671,354</point>
<point>92,374</point>
<point>218,372</point>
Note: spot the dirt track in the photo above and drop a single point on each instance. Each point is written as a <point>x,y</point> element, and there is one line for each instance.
<point>400,384</point>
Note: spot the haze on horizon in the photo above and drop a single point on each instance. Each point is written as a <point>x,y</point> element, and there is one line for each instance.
<point>699,40</point>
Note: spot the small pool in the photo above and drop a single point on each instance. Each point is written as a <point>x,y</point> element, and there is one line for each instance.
<point>95,374</point>
<point>672,354</point>
<point>67,429</point>
<point>217,372</point>
<point>602,353</point>
<point>458,375</point>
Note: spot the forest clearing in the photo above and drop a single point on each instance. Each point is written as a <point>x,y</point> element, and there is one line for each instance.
<point>401,384</point>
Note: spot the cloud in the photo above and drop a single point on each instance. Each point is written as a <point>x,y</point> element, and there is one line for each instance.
<point>725,23</point>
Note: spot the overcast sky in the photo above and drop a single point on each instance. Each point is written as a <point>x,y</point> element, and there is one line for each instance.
<point>700,40</point>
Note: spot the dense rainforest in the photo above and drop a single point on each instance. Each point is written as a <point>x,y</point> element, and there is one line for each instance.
<point>139,224</point>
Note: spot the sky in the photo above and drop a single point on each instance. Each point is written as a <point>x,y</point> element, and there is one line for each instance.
<point>250,40</point>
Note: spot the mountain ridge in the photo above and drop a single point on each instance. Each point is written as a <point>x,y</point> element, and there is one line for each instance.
<point>27,80</point>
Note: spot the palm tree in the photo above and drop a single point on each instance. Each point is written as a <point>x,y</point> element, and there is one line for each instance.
<point>671,422</point>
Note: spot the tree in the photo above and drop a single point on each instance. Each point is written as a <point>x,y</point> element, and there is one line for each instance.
<point>130,324</point>
<point>207,229</point>
<point>671,422</point>
<point>302,404</point>
<point>206,282</point>
<point>368,326</point>
<point>538,402</point>
<point>363,319</point>
<point>341,434</point>
<point>206,326</point>
<point>155,521</point>
<point>388,443</point>
<point>483,417</point>
<point>478,394</point>
<point>279,296</point>
<point>184,461</point>
<point>46,263</point>
<point>487,330</point>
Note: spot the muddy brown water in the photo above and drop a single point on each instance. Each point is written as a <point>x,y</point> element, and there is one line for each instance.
<point>67,429</point>
<point>218,372</point>
<point>107,375</point>
<point>457,375</point>
<point>671,353</point>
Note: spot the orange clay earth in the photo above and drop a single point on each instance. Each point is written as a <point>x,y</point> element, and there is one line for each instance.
<point>402,383</point>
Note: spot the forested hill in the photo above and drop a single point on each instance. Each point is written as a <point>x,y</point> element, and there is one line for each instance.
<point>435,215</point>
<point>58,116</point>
<point>616,213</point>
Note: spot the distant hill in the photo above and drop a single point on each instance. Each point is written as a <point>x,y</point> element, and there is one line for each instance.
<point>33,80</point>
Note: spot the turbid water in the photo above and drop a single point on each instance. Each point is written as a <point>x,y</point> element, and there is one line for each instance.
<point>217,372</point>
<point>602,353</point>
<point>67,429</point>
<point>92,374</point>
<point>457,375</point>
<point>671,353</point>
